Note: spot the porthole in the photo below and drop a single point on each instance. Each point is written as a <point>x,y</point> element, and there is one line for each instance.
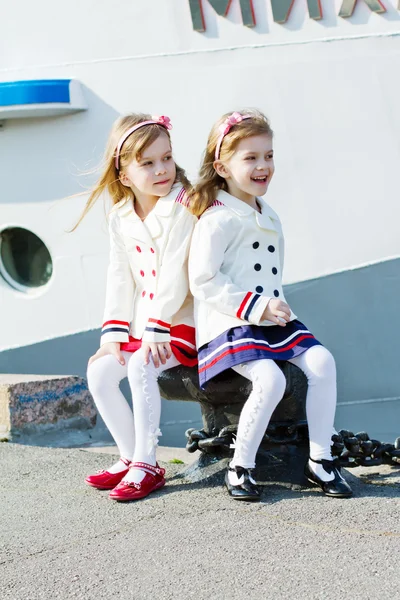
<point>25,262</point>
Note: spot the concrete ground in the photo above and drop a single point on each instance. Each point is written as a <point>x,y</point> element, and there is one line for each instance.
<point>61,539</point>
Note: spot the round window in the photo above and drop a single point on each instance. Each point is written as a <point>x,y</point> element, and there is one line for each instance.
<point>25,262</point>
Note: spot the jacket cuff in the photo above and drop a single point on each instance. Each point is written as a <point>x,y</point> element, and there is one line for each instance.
<point>157,331</point>
<point>114,331</point>
<point>252,307</point>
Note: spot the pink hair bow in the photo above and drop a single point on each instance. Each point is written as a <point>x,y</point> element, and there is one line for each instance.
<point>225,128</point>
<point>163,121</point>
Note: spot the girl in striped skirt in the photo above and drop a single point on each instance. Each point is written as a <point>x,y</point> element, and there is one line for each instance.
<point>242,319</point>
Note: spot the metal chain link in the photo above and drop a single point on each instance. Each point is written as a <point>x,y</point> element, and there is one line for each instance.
<point>358,450</point>
<point>351,450</point>
<point>211,443</point>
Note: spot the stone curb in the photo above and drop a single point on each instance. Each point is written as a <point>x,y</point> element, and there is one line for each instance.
<point>30,404</point>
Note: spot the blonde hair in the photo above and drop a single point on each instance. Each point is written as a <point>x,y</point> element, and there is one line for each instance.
<point>132,148</point>
<point>205,191</point>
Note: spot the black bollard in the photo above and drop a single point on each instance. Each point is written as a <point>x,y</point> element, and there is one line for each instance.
<point>284,448</point>
<point>286,438</point>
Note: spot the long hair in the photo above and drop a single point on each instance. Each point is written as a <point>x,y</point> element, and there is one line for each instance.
<point>132,148</point>
<point>205,191</point>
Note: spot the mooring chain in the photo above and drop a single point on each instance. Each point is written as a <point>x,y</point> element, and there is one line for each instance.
<point>351,450</point>
<point>198,439</point>
<point>358,450</point>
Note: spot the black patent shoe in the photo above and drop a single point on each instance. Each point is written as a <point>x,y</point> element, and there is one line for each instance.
<point>337,488</point>
<point>246,490</point>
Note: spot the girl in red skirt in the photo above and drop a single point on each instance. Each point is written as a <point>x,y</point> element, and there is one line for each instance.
<point>148,319</point>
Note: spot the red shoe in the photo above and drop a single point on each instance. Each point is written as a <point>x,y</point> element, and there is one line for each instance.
<point>153,480</point>
<point>103,480</point>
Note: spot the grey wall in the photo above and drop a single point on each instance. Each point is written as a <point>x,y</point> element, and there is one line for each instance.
<point>356,315</point>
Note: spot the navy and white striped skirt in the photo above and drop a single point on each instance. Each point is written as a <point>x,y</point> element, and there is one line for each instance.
<point>253,342</point>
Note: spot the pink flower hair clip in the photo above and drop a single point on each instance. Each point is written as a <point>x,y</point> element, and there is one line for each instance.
<point>225,128</point>
<point>163,121</point>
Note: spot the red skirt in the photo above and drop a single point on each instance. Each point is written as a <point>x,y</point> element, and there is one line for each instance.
<point>183,345</point>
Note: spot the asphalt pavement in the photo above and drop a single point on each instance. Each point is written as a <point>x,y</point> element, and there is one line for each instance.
<point>61,539</point>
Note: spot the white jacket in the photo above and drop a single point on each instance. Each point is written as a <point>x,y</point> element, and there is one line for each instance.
<point>147,281</point>
<point>235,266</point>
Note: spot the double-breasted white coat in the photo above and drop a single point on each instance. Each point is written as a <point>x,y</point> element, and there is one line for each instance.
<point>147,282</point>
<point>235,266</point>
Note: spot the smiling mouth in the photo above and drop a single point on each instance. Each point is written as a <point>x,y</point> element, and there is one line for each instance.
<point>261,179</point>
<point>162,182</point>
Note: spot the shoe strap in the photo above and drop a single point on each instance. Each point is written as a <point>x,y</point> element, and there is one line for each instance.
<point>151,469</point>
<point>126,461</point>
<point>328,465</point>
<point>245,471</point>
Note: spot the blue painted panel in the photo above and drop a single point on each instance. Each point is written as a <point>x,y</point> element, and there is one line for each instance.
<point>38,91</point>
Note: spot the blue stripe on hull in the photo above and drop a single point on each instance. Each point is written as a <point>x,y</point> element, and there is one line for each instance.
<point>38,91</point>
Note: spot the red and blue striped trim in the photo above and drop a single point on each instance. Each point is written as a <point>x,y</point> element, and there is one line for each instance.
<point>252,342</point>
<point>214,204</point>
<point>183,198</point>
<point>115,326</point>
<point>256,346</point>
<point>157,326</point>
<point>247,306</point>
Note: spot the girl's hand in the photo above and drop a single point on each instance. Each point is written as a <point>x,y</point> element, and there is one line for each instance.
<point>278,312</point>
<point>159,352</point>
<point>113,348</point>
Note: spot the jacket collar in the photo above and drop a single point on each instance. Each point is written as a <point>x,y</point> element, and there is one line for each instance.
<point>238,206</point>
<point>266,219</point>
<point>146,231</point>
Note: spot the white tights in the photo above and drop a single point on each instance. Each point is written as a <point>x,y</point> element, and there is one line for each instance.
<point>269,384</point>
<point>136,438</point>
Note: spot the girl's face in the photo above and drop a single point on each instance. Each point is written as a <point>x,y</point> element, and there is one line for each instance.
<point>250,169</point>
<point>154,174</point>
